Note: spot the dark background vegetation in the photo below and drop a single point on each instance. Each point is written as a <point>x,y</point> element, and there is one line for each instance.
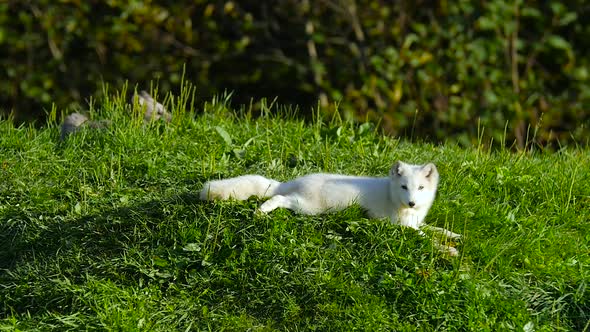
<point>439,70</point>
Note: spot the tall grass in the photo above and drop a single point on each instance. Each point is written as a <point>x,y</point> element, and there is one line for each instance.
<point>105,231</point>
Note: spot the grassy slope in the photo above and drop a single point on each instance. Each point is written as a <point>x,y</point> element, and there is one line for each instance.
<point>106,231</point>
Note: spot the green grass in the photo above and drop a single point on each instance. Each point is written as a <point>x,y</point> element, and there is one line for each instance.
<point>104,231</point>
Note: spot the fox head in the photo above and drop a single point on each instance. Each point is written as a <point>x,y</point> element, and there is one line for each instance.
<point>413,185</point>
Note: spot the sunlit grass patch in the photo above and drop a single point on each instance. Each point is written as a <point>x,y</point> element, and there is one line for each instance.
<point>105,231</point>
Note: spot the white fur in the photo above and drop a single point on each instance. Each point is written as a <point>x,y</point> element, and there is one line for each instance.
<point>239,188</point>
<point>405,196</point>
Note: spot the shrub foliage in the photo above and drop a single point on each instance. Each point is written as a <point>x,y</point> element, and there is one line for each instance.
<point>439,70</point>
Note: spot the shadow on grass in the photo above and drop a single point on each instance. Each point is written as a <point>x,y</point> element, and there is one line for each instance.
<point>46,259</point>
<point>30,233</point>
<point>124,244</point>
<point>282,267</point>
<point>269,266</point>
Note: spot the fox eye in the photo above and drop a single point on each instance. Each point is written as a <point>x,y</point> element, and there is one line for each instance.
<point>420,187</point>
<point>404,187</point>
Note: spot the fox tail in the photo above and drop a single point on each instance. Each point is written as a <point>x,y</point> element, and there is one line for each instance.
<point>239,188</point>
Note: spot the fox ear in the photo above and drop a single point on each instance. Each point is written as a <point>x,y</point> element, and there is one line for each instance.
<point>396,169</point>
<point>430,170</point>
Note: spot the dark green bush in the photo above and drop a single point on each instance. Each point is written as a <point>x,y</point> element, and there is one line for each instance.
<point>518,71</point>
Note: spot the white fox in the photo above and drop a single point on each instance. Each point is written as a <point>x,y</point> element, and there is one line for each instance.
<point>405,196</point>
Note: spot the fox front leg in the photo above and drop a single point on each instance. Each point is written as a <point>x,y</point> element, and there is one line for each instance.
<point>278,201</point>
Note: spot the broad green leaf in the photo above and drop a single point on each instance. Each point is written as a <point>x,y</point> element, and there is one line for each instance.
<point>559,43</point>
<point>225,135</point>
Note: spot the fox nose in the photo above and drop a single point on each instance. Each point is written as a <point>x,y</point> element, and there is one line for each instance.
<point>411,204</point>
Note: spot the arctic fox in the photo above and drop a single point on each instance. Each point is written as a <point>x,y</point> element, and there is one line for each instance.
<point>405,196</point>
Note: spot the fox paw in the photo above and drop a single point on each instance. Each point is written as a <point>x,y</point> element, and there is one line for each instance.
<point>452,251</point>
